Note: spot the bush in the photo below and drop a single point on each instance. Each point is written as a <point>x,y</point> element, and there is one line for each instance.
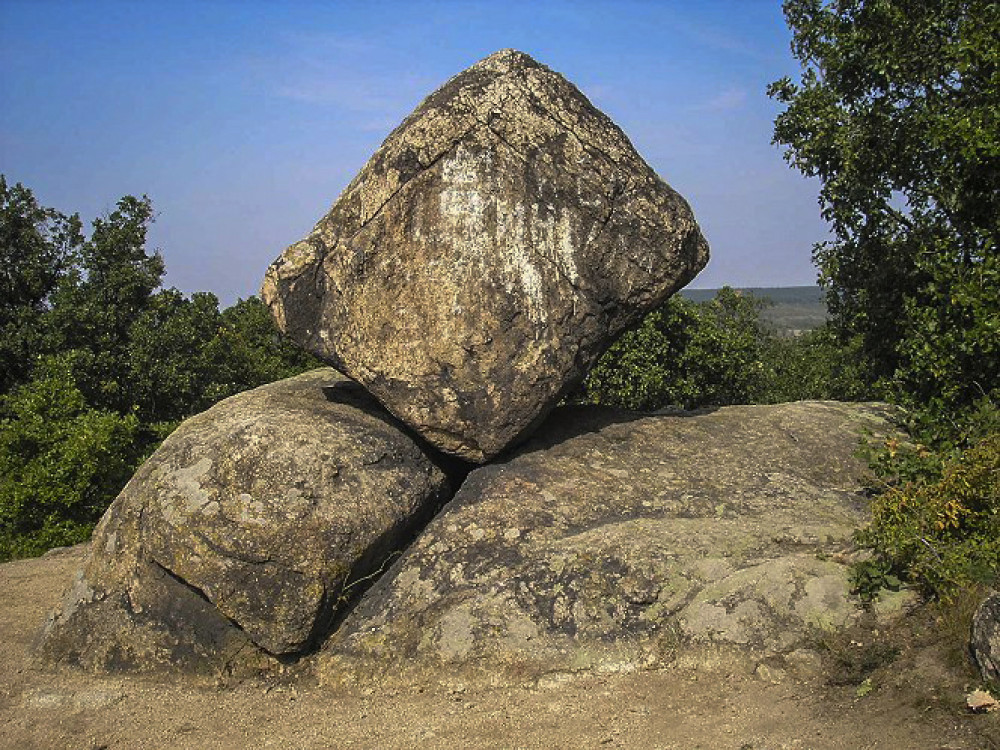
<point>942,534</point>
<point>814,365</point>
<point>686,354</point>
<point>60,462</point>
<point>720,352</point>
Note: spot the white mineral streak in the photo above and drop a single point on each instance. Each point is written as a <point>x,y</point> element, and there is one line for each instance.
<point>187,482</point>
<point>525,234</point>
<point>563,239</point>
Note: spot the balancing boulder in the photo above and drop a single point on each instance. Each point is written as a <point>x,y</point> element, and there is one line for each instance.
<point>490,250</point>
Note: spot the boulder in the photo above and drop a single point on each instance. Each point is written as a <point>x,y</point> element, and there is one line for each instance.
<point>246,531</point>
<point>490,250</point>
<point>614,541</point>
<point>985,641</point>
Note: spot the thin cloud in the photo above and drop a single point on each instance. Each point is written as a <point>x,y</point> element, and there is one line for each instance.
<point>725,101</point>
<point>722,40</point>
<point>331,42</point>
<point>597,91</point>
<point>328,70</point>
<point>357,93</point>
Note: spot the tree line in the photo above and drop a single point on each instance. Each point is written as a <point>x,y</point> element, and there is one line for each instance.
<point>98,363</point>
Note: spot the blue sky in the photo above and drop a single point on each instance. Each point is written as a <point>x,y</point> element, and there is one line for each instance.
<point>243,121</point>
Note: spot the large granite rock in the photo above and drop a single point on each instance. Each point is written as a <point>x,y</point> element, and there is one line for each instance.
<point>498,241</point>
<point>614,541</point>
<point>985,640</point>
<point>242,535</point>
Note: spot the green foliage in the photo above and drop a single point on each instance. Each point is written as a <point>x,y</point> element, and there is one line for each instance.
<point>870,577</point>
<point>109,284</point>
<point>949,356</point>
<point>943,533</point>
<point>165,366</point>
<point>720,352</point>
<point>60,461</point>
<point>685,354</point>
<point>99,364</point>
<point>814,365</point>
<point>184,355</point>
<point>247,351</point>
<point>898,114</point>
<point>35,247</point>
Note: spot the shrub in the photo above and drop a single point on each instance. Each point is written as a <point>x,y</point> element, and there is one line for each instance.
<point>720,352</point>
<point>940,527</point>
<point>814,365</point>
<point>61,462</point>
<point>686,354</point>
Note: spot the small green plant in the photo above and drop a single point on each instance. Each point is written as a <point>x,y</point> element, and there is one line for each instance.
<point>870,577</point>
<point>864,688</point>
<point>941,525</point>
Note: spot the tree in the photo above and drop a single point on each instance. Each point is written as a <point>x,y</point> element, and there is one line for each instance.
<point>184,355</point>
<point>166,371</point>
<point>248,351</point>
<point>686,354</point>
<point>61,461</point>
<point>109,284</point>
<point>36,246</point>
<point>897,112</point>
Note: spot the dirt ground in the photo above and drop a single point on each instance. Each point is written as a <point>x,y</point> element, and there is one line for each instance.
<point>912,700</point>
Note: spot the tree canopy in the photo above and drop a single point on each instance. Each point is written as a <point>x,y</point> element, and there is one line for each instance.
<point>897,112</point>
<point>36,245</point>
<point>98,362</point>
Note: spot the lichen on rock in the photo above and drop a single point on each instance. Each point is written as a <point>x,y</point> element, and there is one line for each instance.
<point>238,539</point>
<point>616,541</point>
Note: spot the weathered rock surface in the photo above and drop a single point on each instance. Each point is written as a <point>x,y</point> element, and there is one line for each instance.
<point>614,541</point>
<point>242,534</point>
<point>498,241</point>
<point>985,641</point>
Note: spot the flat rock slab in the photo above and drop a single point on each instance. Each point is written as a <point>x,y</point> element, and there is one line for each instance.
<point>241,536</point>
<point>498,241</point>
<point>615,541</point>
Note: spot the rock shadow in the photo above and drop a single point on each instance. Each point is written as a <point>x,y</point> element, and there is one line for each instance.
<point>352,393</point>
<point>569,421</point>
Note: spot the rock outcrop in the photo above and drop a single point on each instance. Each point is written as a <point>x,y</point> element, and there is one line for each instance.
<point>498,241</point>
<point>615,540</point>
<point>985,641</point>
<point>242,535</point>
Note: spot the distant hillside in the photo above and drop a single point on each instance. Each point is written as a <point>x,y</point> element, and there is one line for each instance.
<point>793,309</point>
